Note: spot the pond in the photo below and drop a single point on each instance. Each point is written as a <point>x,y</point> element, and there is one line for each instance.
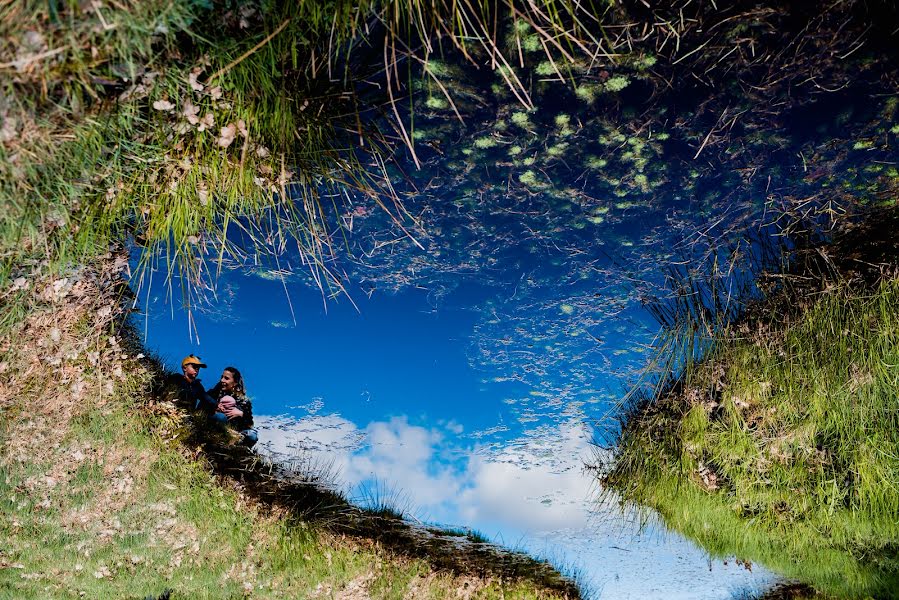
<point>463,356</point>
<point>390,400</point>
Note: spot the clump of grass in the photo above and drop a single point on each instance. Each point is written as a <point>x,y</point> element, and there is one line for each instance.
<point>780,445</point>
<point>124,121</point>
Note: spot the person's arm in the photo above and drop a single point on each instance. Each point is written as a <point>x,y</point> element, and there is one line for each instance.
<point>205,401</point>
<point>241,413</point>
<point>248,415</point>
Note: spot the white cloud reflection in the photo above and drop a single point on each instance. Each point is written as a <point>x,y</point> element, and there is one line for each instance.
<point>531,484</point>
<point>535,484</point>
<point>531,492</point>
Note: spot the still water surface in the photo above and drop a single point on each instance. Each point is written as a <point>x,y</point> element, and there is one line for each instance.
<point>464,376</point>
<point>390,397</point>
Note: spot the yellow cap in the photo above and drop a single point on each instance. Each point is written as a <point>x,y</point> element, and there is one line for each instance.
<point>192,360</point>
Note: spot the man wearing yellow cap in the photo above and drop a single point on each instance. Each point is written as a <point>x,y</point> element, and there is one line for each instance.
<point>188,388</point>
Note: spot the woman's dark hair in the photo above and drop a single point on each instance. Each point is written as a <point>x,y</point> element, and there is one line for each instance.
<point>238,381</point>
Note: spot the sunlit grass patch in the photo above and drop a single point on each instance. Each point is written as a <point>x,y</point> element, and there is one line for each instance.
<point>782,445</point>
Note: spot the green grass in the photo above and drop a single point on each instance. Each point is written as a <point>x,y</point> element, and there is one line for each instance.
<point>782,446</point>
<point>183,123</point>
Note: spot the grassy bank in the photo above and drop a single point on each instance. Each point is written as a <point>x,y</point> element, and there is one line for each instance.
<point>106,492</point>
<point>181,126</point>
<point>782,446</point>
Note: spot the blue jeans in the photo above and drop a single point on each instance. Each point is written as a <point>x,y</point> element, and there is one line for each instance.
<point>250,437</point>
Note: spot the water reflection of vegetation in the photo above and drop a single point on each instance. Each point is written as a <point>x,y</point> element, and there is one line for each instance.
<point>781,446</point>
<point>572,209</point>
<point>123,120</point>
<point>181,140</point>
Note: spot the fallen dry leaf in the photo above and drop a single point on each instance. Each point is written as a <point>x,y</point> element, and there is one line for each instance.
<point>226,135</point>
<point>190,111</point>
<point>192,79</point>
<point>206,122</point>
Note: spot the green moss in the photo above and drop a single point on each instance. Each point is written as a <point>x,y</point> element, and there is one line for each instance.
<point>617,83</point>
<point>636,143</point>
<point>545,69</point>
<point>529,161</point>
<point>595,162</point>
<point>436,103</point>
<point>557,150</point>
<point>521,119</point>
<point>485,142</point>
<point>515,150</point>
<point>521,26</point>
<point>438,69</point>
<point>646,61</point>
<point>529,178</point>
<point>641,180</point>
<point>863,145</point>
<point>531,43</point>
<point>588,92</point>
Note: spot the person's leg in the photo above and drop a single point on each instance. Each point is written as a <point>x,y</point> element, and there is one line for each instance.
<point>250,437</point>
<point>219,418</point>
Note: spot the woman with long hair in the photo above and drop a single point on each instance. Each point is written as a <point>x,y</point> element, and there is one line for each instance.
<point>234,407</point>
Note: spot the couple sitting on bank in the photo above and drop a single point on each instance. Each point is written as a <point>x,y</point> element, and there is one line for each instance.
<point>225,403</point>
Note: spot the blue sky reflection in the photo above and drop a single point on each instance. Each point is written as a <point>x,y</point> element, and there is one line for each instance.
<point>402,400</point>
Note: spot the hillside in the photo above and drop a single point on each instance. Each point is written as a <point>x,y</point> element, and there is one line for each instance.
<point>108,491</point>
